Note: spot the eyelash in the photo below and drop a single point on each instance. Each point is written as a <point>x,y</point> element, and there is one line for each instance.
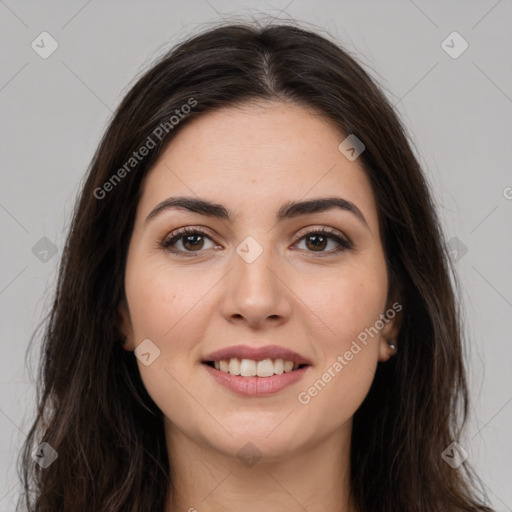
<point>168,241</point>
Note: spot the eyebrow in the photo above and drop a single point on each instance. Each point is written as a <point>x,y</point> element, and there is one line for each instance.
<point>288,210</point>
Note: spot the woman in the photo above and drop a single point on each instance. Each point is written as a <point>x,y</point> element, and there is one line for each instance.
<point>254,307</point>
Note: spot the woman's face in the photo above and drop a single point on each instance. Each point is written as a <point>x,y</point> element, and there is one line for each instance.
<point>264,276</point>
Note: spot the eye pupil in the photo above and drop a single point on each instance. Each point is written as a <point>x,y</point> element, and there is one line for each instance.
<point>188,238</point>
<point>317,245</point>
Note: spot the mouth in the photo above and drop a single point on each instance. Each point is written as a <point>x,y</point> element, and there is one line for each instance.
<point>256,371</point>
<point>252,378</point>
<point>263,368</point>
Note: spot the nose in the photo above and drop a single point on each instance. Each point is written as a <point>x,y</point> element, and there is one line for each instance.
<point>256,292</point>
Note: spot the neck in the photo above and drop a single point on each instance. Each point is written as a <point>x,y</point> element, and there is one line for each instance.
<point>207,480</point>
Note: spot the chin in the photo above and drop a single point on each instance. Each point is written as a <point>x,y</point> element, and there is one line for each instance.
<point>257,448</point>
<point>268,439</point>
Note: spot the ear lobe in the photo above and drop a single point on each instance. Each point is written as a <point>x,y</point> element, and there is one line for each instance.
<point>386,350</point>
<point>124,326</point>
<point>389,333</point>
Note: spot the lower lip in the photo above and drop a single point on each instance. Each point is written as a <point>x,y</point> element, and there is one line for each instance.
<point>256,386</point>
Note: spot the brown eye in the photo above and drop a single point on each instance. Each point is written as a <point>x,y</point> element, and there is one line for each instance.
<point>193,242</point>
<point>318,240</point>
<point>186,240</point>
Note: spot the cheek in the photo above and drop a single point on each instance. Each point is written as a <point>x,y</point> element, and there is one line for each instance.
<point>163,302</point>
<point>168,309</point>
<point>348,302</point>
<point>349,305</point>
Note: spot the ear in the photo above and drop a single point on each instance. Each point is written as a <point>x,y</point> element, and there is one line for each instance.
<point>392,319</point>
<point>125,327</point>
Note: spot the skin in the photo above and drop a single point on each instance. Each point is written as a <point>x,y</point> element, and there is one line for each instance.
<point>252,159</point>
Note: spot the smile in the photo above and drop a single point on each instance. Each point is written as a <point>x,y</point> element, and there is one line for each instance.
<point>249,382</point>
<point>253,368</point>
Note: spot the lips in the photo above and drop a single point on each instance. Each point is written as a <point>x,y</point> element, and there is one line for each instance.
<point>256,386</point>
<point>256,354</point>
<point>256,371</point>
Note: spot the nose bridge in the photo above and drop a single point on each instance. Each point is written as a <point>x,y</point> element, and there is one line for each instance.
<point>254,290</point>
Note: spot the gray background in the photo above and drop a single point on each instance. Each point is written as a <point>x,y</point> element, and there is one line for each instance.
<point>458,112</point>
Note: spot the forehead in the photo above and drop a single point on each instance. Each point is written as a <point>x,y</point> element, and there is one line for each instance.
<point>255,156</point>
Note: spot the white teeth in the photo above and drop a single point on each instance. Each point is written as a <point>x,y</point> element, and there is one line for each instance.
<point>265,368</point>
<point>234,366</point>
<point>251,368</point>
<point>247,368</point>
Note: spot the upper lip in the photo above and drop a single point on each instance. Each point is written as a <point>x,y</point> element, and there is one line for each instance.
<point>256,353</point>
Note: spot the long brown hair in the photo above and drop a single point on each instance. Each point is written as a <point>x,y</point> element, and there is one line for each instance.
<point>93,409</point>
